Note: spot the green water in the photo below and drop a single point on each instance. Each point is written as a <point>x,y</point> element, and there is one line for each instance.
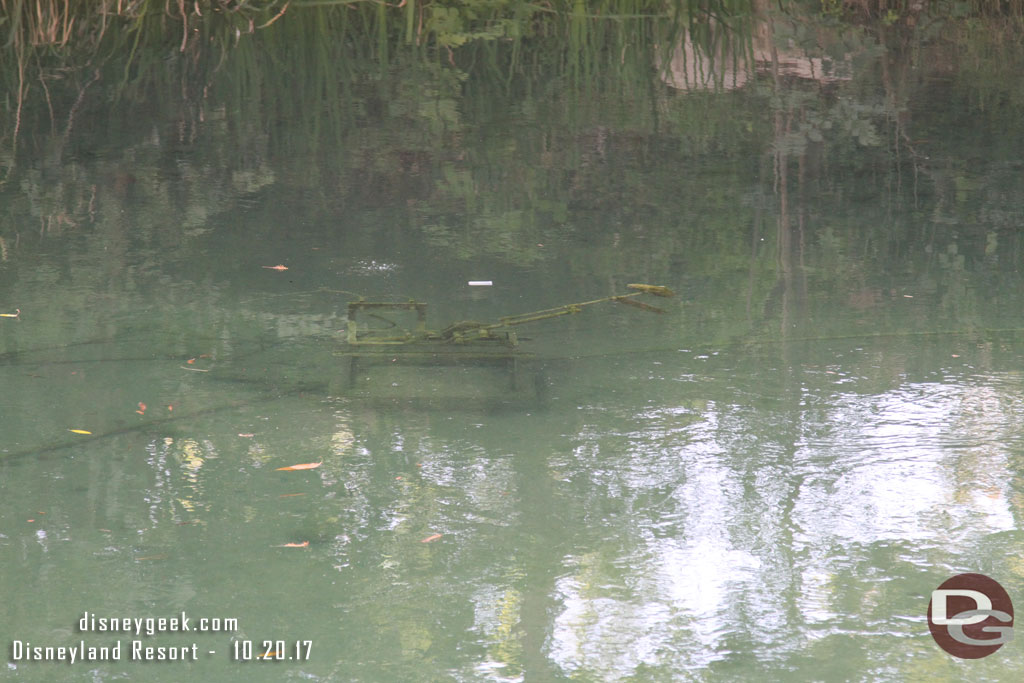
<point>765,481</point>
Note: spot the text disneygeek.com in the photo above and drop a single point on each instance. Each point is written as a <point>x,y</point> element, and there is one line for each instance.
<point>144,650</point>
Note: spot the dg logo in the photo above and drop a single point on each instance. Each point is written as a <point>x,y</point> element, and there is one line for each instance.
<point>970,616</point>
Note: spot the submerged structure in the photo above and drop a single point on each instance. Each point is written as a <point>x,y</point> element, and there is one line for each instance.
<point>390,352</point>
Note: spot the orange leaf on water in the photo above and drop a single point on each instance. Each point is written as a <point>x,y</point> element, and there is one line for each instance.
<point>278,267</point>
<point>433,537</point>
<point>303,466</point>
<point>190,361</point>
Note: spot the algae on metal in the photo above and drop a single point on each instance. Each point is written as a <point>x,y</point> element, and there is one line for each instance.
<point>469,331</point>
<point>462,348</point>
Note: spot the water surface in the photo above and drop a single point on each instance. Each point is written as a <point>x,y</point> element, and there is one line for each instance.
<point>767,480</point>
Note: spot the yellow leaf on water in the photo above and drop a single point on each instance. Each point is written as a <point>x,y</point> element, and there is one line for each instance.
<point>656,290</point>
<point>79,431</point>
<point>303,466</point>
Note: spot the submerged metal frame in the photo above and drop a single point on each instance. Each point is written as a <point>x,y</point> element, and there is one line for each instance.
<point>461,344</point>
<point>373,336</point>
<point>466,342</point>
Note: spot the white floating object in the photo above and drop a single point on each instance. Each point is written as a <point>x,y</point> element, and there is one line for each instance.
<point>480,283</point>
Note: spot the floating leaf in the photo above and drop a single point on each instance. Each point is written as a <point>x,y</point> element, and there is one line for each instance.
<point>79,431</point>
<point>430,538</point>
<point>303,466</point>
<point>656,290</point>
<point>278,267</point>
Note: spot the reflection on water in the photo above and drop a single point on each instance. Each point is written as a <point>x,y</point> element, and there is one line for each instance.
<point>685,523</point>
<point>660,512</point>
<point>762,541</point>
<point>766,480</point>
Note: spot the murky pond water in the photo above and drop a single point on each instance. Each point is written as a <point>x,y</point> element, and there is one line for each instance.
<point>765,480</point>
